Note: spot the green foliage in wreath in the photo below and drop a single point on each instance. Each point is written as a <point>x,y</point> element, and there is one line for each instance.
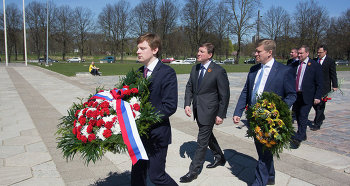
<point>270,123</point>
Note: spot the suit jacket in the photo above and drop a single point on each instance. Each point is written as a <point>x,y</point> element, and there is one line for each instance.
<point>280,81</point>
<point>291,61</point>
<point>163,96</point>
<point>329,75</point>
<point>212,97</point>
<point>312,82</point>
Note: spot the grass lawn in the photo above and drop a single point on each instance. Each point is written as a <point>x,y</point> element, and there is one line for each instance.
<point>109,69</point>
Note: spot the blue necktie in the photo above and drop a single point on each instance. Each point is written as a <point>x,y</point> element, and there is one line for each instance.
<point>257,84</point>
<point>201,75</point>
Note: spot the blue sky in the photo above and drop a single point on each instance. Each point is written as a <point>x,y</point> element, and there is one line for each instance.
<point>334,7</point>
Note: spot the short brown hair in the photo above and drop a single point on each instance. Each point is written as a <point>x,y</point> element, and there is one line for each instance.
<point>153,40</point>
<point>307,49</point>
<point>210,48</point>
<point>268,45</point>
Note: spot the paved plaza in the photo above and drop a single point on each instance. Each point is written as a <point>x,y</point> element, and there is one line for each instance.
<point>33,99</point>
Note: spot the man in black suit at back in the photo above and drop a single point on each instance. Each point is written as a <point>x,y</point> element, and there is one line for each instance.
<point>330,83</point>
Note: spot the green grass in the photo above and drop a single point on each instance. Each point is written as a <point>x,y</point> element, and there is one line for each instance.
<point>109,69</point>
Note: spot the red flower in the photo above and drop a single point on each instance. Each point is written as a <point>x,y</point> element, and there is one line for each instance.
<point>89,114</point>
<point>109,125</point>
<point>86,103</point>
<point>89,129</point>
<point>114,119</point>
<point>79,129</point>
<point>91,137</point>
<point>134,90</point>
<point>100,122</point>
<point>104,104</point>
<point>126,86</point>
<point>127,92</point>
<point>83,139</point>
<point>107,133</point>
<point>79,136</point>
<point>136,107</point>
<point>82,120</point>
<point>76,113</point>
<point>90,103</point>
<point>84,111</point>
<point>95,114</point>
<point>74,131</point>
<point>95,104</point>
<point>92,122</point>
<point>75,123</point>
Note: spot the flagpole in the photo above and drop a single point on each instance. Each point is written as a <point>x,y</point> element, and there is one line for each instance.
<point>5,33</point>
<point>25,34</point>
<point>47,33</point>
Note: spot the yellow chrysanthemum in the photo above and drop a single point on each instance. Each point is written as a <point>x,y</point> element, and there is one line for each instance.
<point>267,134</point>
<point>272,130</point>
<point>263,141</point>
<point>275,135</point>
<point>269,121</point>
<point>265,103</point>
<point>257,129</point>
<point>275,113</point>
<point>272,142</point>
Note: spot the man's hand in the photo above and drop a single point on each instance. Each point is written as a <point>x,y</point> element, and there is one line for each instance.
<point>218,120</point>
<point>335,89</point>
<point>236,119</point>
<point>316,101</point>
<point>188,111</point>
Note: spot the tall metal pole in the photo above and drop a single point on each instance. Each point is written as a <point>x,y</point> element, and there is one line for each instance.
<point>5,33</point>
<point>47,33</point>
<point>25,34</point>
<point>258,26</point>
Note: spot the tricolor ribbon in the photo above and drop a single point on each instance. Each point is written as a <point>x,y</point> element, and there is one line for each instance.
<point>127,123</point>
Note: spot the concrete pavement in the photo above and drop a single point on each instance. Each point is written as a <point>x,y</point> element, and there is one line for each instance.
<point>33,99</point>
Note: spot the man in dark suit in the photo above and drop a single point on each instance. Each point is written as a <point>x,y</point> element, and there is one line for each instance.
<point>268,76</point>
<point>208,91</point>
<point>293,57</point>
<point>308,84</point>
<point>330,82</point>
<point>163,96</point>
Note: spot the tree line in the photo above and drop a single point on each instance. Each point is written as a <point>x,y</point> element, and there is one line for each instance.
<point>228,24</point>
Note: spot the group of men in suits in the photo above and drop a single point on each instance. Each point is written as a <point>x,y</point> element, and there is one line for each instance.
<point>207,91</point>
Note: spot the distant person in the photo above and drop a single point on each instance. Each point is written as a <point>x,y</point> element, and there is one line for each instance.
<point>308,84</point>
<point>208,92</point>
<point>94,70</point>
<point>266,76</point>
<point>293,57</point>
<point>330,83</point>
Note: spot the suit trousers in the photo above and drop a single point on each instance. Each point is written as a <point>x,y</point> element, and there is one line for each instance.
<point>319,116</point>
<point>155,167</point>
<point>302,111</point>
<point>265,169</point>
<point>205,138</point>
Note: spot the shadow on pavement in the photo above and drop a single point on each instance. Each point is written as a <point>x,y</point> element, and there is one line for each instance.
<point>114,179</point>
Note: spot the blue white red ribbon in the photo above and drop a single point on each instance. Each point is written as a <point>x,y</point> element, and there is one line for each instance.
<point>127,124</point>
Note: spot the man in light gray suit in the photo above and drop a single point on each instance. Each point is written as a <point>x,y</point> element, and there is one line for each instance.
<point>208,91</point>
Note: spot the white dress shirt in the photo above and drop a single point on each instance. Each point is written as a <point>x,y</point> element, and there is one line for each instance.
<point>267,70</point>
<point>151,67</point>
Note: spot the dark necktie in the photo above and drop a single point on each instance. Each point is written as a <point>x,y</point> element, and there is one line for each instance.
<point>201,75</point>
<point>145,72</point>
<point>298,76</point>
<point>257,84</point>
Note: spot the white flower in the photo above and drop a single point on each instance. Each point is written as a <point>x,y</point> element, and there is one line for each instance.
<point>99,101</point>
<point>84,131</point>
<point>108,118</point>
<point>80,113</point>
<point>113,104</point>
<point>116,128</point>
<point>99,133</point>
<point>137,114</point>
<point>134,100</point>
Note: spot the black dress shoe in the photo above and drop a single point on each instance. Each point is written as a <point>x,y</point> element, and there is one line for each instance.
<point>216,163</point>
<point>294,144</point>
<point>188,178</point>
<point>315,127</point>
<point>271,182</point>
